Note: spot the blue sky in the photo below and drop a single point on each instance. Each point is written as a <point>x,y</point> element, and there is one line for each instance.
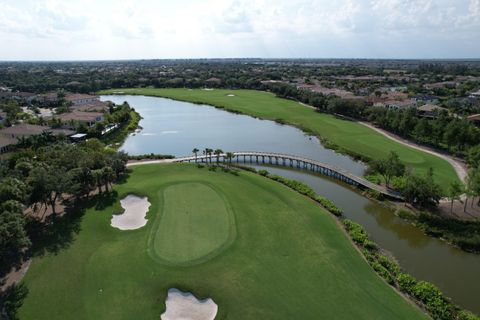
<point>142,29</point>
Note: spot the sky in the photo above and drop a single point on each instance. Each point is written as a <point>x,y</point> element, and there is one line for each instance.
<point>149,29</point>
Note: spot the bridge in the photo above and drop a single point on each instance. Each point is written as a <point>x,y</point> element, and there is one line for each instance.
<point>287,160</point>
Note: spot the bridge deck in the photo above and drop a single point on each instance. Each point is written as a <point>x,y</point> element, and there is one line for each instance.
<point>337,172</point>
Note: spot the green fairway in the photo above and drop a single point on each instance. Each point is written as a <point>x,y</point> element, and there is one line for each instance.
<point>348,135</point>
<point>195,222</point>
<point>285,258</point>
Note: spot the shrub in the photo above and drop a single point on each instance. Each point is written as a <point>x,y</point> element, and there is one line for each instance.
<point>329,205</point>
<point>434,301</point>
<point>406,282</point>
<point>263,173</point>
<point>383,272</point>
<point>355,231</point>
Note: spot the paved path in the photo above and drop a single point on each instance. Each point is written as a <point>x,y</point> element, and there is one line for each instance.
<point>459,166</point>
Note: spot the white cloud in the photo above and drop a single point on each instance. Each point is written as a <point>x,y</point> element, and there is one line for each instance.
<point>89,29</point>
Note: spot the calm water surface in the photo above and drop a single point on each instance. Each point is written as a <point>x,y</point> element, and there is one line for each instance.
<point>172,127</point>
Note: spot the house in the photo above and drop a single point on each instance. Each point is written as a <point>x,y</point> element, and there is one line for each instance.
<point>6,144</point>
<point>3,117</point>
<point>425,98</point>
<point>97,106</point>
<point>22,130</point>
<point>475,118</point>
<point>396,104</point>
<point>78,99</point>
<point>26,97</point>
<point>89,118</point>
<point>430,110</point>
<point>475,95</point>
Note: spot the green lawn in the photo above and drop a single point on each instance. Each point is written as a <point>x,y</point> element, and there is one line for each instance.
<point>347,135</point>
<point>196,223</point>
<point>286,258</point>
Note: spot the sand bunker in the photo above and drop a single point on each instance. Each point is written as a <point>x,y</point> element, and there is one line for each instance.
<point>230,95</point>
<point>133,217</point>
<point>184,306</point>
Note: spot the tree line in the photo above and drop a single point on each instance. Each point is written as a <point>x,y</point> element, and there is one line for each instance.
<point>43,178</point>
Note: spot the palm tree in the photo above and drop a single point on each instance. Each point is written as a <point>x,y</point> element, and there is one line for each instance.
<point>208,153</point>
<point>195,151</point>
<point>218,152</point>
<point>230,156</point>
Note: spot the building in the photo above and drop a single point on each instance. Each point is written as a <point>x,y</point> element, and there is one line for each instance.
<point>425,98</point>
<point>6,144</point>
<point>475,95</point>
<point>97,106</point>
<point>89,118</point>
<point>22,130</point>
<point>430,110</point>
<point>396,104</point>
<point>3,118</point>
<point>79,99</point>
<point>475,118</point>
<point>26,97</point>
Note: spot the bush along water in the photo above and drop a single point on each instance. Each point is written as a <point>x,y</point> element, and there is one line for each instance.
<point>425,294</point>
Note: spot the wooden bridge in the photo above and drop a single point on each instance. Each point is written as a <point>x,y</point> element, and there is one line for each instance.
<point>286,160</point>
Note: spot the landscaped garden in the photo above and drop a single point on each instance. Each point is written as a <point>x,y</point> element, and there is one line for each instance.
<point>264,253</point>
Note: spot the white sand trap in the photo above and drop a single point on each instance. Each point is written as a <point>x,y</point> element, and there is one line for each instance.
<point>184,306</point>
<point>208,89</point>
<point>230,95</point>
<point>133,217</point>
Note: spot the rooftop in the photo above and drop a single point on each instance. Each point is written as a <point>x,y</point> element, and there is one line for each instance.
<point>23,130</point>
<point>430,108</point>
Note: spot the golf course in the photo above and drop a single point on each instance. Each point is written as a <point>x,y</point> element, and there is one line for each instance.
<point>348,136</point>
<point>264,253</point>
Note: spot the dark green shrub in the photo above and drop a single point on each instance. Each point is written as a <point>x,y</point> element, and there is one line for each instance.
<point>406,282</point>
<point>263,173</point>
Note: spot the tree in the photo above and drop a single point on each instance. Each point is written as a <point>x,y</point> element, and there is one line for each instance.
<point>473,156</point>
<point>218,152</point>
<point>13,237</point>
<point>421,191</point>
<point>230,156</point>
<point>195,151</point>
<point>389,167</point>
<point>455,190</point>
<point>12,189</point>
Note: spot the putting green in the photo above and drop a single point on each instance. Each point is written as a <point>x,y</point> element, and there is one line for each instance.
<point>195,224</point>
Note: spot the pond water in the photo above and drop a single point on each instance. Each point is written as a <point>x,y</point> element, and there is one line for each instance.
<point>172,127</point>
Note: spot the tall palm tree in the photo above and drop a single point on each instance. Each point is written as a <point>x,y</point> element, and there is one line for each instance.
<point>208,153</point>
<point>195,151</point>
<point>218,152</point>
<point>230,156</point>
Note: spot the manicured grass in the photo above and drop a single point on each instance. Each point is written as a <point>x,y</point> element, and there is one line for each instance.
<point>289,259</point>
<point>195,223</point>
<point>347,135</point>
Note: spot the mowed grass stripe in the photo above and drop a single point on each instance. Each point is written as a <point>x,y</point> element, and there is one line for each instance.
<point>348,135</point>
<point>289,260</point>
<point>194,222</point>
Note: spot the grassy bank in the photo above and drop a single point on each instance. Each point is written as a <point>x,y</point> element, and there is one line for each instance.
<point>346,136</point>
<point>285,258</point>
<point>116,137</point>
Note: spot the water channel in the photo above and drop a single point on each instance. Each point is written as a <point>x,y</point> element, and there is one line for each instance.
<point>173,127</point>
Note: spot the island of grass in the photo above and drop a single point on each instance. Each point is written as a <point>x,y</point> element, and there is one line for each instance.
<point>348,136</point>
<point>272,254</point>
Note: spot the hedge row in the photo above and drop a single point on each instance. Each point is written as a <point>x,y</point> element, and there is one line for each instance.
<point>424,293</point>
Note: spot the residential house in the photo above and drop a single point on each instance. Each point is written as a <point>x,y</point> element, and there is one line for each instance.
<point>425,98</point>
<point>97,106</point>
<point>78,99</point>
<point>430,110</point>
<point>3,118</point>
<point>475,118</point>
<point>6,144</point>
<point>22,130</point>
<point>475,95</point>
<point>26,97</point>
<point>89,118</point>
<point>396,104</point>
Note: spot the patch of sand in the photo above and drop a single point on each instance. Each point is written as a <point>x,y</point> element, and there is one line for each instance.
<point>184,306</point>
<point>230,95</point>
<point>208,89</point>
<point>133,217</point>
